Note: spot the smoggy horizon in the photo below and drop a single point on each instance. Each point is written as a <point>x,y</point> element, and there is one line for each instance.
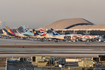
<point>37,13</point>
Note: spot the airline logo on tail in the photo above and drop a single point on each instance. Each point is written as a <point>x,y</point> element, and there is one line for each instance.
<point>41,30</point>
<point>44,32</point>
<point>26,29</point>
<point>54,33</point>
<point>8,30</point>
<point>35,33</point>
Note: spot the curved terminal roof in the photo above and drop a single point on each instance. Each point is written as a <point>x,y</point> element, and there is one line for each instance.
<point>68,23</point>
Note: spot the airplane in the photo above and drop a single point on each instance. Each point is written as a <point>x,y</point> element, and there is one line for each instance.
<point>21,35</point>
<point>72,37</point>
<point>6,34</point>
<point>76,36</point>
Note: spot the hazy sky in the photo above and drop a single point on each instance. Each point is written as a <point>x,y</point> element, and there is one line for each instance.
<point>39,13</point>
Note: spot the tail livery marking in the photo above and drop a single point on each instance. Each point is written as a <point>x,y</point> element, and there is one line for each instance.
<point>43,34</point>
<point>54,33</point>
<point>87,37</point>
<point>42,30</point>
<point>34,31</point>
<point>26,29</point>
<point>17,32</point>
<point>10,31</point>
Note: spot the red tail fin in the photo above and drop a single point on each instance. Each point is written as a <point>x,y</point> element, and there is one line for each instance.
<point>42,30</point>
<point>11,31</point>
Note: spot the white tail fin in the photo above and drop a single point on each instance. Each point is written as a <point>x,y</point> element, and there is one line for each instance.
<point>4,32</point>
<point>17,32</point>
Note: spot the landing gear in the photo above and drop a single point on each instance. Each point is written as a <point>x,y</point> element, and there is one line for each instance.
<point>42,39</point>
<point>21,37</point>
<point>87,40</point>
<point>7,38</point>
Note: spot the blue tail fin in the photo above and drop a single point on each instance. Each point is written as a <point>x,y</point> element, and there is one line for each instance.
<point>25,29</point>
<point>27,32</point>
<point>54,33</point>
<point>35,33</point>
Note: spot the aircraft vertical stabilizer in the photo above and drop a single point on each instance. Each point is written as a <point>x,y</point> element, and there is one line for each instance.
<point>35,33</point>
<point>10,31</point>
<point>4,32</point>
<point>54,33</point>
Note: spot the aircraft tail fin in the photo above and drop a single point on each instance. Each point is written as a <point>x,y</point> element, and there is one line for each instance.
<point>10,31</point>
<point>17,32</point>
<point>4,32</point>
<point>53,31</point>
<point>43,32</point>
<point>25,29</point>
<point>35,33</point>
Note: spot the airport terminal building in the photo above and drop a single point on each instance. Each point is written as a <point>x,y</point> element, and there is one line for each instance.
<point>77,25</point>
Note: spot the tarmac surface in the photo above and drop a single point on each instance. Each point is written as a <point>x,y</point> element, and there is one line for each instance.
<point>19,42</point>
<point>51,51</point>
<point>62,52</point>
<point>58,55</point>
